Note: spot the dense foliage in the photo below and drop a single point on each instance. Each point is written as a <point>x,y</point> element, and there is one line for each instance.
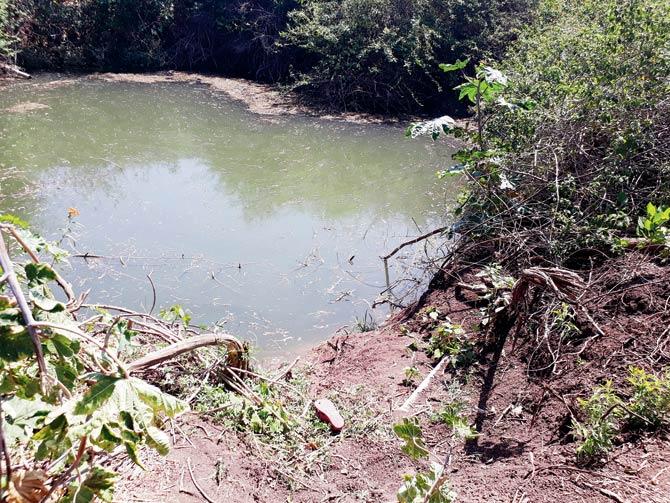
<point>386,52</point>
<point>571,140</point>
<point>378,55</point>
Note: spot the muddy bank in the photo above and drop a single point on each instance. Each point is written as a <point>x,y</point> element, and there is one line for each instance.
<point>262,99</point>
<point>524,451</point>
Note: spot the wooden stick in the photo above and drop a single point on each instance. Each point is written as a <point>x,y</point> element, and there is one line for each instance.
<point>173,350</point>
<point>195,483</point>
<point>12,280</point>
<point>412,241</point>
<point>424,384</point>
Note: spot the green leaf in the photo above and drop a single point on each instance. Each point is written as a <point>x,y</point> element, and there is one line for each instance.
<point>98,485</point>
<point>458,65</point>
<point>66,374</point>
<point>14,220</point>
<point>15,345</point>
<point>416,489</point>
<point>132,451</point>
<point>39,274</point>
<point>107,439</point>
<point>158,401</point>
<point>157,439</point>
<point>409,431</point>
<point>97,395</point>
<point>45,303</point>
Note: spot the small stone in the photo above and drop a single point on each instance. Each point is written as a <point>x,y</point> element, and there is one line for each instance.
<point>328,413</point>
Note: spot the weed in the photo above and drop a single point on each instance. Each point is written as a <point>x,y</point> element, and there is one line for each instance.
<point>652,227</point>
<point>650,403</point>
<point>429,486</point>
<point>608,414</point>
<point>411,373</point>
<point>365,324</point>
<point>601,424</point>
<point>452,414</point>
<point>449,339</point>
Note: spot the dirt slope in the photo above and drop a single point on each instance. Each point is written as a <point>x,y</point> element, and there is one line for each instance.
<point>524,453</point>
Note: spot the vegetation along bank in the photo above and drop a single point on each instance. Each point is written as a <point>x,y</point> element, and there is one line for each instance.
<point>534,368</point>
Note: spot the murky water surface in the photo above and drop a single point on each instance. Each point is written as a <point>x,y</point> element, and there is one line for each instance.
<point>271,225</point>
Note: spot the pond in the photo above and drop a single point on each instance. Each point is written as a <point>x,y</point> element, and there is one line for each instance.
<point>271,226</point>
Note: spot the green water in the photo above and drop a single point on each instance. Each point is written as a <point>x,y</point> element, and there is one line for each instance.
<point>249,221</point>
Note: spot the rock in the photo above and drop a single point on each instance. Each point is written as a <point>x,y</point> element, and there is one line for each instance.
<point>328,413</point>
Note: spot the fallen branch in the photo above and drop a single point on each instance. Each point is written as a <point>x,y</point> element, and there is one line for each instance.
<point>236,351</point>
<point>424,384</point>
<point>15,70</point>
<point>26,312</point>
<point>413,241</point>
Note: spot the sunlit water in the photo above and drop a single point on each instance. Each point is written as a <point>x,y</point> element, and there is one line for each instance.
<point>272,226</point>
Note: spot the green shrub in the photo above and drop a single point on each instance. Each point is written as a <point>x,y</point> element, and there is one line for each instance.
<point>572,144</point>
<point>594,150</point>
<point>382,54</point>
<point>607,413</point>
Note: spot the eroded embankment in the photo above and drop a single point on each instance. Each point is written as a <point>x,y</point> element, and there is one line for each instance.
<point>525,448</point>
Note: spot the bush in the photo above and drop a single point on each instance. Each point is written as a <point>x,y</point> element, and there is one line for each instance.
<point>373,55</point>
<point>595,149</point>
<point>571,140</point>
<point>97,34</point>
<point>382,55</point>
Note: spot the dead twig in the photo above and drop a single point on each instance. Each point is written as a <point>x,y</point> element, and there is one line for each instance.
<point>195,482</point>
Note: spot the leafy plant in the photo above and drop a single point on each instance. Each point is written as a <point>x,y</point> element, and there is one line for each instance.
<point>601,424</point>
<point>653,226</point>
<point>411,373</point>
<point>409,431</point>
<point>67,399</point>
<point>608,414</point>
<point>428,487</point>
<point>452,414</point>
<point>649,405</point>
<point>421,487</point>
<point>449,339</point>
<point>174,313</point>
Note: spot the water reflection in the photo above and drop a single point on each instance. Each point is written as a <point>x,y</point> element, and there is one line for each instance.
<point>245,219</point>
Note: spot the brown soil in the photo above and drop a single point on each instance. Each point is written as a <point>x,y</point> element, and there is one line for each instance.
<point>524,452</point>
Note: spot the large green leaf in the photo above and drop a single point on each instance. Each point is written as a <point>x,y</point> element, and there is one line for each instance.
<point>39,274</point>
<point>409,431</point>
<point>158,439</point>
<point>15,345</point>
<point>98,485</point>
<point>44,302</point>
<point>158,401</point>
<point>22,417</point>
<point>97,395</point>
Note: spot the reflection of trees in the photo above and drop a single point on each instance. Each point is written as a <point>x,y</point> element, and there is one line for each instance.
<point>332,169</point>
